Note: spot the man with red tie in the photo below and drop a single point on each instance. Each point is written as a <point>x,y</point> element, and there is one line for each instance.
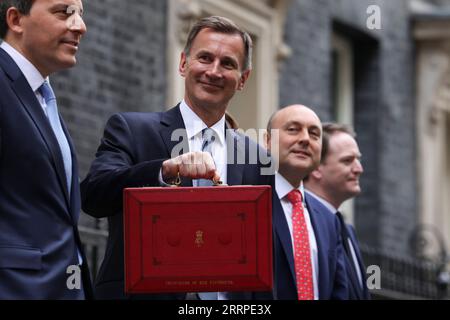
<point>308,253</point>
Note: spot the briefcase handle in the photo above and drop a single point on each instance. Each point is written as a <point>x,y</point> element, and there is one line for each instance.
<point>177,182</point>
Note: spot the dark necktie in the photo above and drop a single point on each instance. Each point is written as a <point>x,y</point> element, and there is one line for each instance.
<point>345,242</point>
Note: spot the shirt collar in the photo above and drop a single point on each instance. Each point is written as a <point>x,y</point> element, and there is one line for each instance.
<point>328,205</point>
<point>283,187</point>
<point>194,125</point>
<point>33,76</point>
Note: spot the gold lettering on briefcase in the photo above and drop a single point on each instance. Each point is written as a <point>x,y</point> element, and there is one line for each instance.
<point>199,238</point>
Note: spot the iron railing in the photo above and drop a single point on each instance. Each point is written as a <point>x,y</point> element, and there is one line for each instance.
<point>401,278</point>
<point>94,244</point>
<point>406,278</point>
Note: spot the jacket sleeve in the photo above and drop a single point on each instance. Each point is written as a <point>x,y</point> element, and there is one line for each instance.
<point>114,169</point>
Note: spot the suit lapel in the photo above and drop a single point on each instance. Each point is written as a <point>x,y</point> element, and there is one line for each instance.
<point>176,140</point>
<point>75,187</point>
<point>34,109</point>
<point>319,227</point>
<point>355,244</point>
<point>356,247</point>
<point>282,231</point>
<point>172,120</point>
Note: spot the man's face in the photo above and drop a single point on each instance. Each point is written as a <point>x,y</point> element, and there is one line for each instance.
<point>51,34</point>
<point>341,169</point>
<point>300,141</point>
<point>213,70</point>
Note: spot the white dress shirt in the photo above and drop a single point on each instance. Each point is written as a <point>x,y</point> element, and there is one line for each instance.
<point>33,76</point>
<point>283,187</point>
<point>194,126</point>
<point>332,209</point>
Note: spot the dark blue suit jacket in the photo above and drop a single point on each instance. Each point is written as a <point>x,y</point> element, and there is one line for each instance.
<point>356,292</point>
<point>131,153</point>
<point>38,218</point>
<point>332,279</point>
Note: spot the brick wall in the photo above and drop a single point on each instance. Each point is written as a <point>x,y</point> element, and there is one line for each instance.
<point>121,67</point>
<point>384,104</point>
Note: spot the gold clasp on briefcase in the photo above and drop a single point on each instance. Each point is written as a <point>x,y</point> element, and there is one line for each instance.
<point>177,182</point>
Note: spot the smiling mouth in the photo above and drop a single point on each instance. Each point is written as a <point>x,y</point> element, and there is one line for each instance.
<point>302,153</point>
<point>211,85</point>
<point>73,44</point>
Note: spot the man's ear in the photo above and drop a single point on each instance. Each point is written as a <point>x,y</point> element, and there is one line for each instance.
<point>244,77</point>
<point>316,173</point>
<point>182,66</point>
<point>267,140</point>
<point>14,20</point>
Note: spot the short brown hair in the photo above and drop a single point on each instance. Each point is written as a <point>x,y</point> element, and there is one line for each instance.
<point>330,128</point>
<point>222,25</point>
<point>24,7</point>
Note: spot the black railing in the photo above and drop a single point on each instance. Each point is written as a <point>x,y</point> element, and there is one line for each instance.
<point>406,278</point>
<point>401,278</point>
<point>94,243</point>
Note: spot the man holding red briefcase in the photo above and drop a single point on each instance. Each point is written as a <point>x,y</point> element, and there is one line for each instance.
<point>189,142</point>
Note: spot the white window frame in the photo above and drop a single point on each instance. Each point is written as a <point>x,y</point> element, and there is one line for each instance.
<point>345,79</point>
<point>345,102</point>
<point>433,124</point>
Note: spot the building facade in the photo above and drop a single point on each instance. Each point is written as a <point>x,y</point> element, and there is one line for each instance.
<point>381,66</point>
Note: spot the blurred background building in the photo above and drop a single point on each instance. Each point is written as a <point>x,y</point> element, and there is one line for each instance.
<point>390,81</point>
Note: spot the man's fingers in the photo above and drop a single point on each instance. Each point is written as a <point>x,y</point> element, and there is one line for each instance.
<point>170,169</point>
<point>187,166</point>
<point>209,166</point>
<point>216,177</point>
<point>194,165</point>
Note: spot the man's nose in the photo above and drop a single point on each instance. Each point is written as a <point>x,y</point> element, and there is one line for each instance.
<point>358,167</point>
<point>76,23</point>
<point>303,136</point>
<point>214,70</point>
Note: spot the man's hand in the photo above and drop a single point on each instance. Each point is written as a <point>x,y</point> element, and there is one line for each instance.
<point>194,165</point>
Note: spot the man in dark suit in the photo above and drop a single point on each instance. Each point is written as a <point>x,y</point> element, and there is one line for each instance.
<point>150,149</point>
<point>308,253</point>
<point>333,182</point>
<point>40,248</point>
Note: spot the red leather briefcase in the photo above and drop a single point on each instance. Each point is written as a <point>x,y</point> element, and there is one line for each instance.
<point>198,239</point>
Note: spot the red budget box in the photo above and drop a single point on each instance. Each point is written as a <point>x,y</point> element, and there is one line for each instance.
<point>198,239</point>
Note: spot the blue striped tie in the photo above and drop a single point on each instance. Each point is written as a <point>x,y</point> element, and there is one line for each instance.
<point>208,140</point>
<point>53,117</point>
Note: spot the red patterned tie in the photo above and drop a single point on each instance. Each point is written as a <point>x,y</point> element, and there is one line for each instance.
<point>302,253</point>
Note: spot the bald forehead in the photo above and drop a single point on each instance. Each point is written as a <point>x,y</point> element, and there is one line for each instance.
<point>295,113</point>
